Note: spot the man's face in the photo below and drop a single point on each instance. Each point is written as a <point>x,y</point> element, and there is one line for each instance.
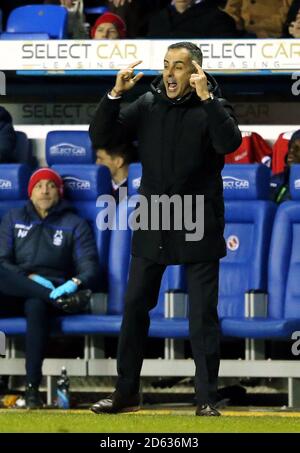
<point>177,71</point>
<point>106,31</point>
<point>44,195</point>
<point>103,158</point>
<point>293,156</point>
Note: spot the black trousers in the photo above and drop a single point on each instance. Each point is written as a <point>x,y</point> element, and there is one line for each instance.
<point>141,296</point>
<point>21,296</point>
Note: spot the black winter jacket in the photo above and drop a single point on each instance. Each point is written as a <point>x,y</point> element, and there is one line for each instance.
<point>59,247</point>
<point>181,145</point>
<point>204,20</point>
<point>7,138</point>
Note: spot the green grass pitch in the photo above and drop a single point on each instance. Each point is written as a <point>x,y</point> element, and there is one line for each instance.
<point>146,421</point>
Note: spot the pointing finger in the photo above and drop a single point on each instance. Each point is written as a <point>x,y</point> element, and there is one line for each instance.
<point>133,65</point>
<point>138,77</point>
<point>198,67</point>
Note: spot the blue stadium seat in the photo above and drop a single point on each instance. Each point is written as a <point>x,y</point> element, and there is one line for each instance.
<point>48,19</point>
<point>69,147</point>
<point>283,314</point>
<point>13,186</point>
<point>24,36</point>
<point>82,185</point>
<point>249,218</point>
<point>247,233</point>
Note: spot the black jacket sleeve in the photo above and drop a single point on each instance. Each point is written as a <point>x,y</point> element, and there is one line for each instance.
<point>85,259</point>
<point>7,255</point>
<point>111,126</point>
<point>291,16</point>
<point>7,137</point>
<point>223,128</point>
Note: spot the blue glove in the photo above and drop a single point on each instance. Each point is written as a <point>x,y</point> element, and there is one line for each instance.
<point>42,281</point>
<point>67,288</point>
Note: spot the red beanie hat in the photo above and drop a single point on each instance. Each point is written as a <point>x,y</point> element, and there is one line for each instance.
<point>46,173</point>
<point>111,19</point>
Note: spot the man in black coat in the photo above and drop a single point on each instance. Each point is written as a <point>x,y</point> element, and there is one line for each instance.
<point>192,19</point>
<point>7,137</point>
<point>47,254</point>
<point>184,129</point>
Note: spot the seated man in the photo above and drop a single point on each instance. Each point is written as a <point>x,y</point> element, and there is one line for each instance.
<point>280,182</point>
<point>52,253</point>
<point>117,159</point>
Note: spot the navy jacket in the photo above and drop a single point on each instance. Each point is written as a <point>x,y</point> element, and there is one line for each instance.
<point>7,138</point>
<point>59,247</point>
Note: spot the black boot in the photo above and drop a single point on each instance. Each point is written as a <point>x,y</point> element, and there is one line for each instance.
<point>33,398</point>
<point>207,410</point>
<point>116,403</point>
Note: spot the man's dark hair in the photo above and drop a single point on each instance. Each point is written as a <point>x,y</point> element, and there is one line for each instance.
<point>127,151</point>
<point>195,51</point>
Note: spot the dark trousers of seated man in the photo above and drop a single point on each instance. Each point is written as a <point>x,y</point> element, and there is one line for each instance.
<point>20,296</point>
<point>142,295</point>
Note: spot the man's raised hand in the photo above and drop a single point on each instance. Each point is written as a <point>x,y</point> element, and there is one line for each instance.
<point>198,81</point>
<point>126,79</point>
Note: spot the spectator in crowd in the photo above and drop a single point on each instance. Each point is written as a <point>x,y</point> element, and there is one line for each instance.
<point>280,182</point>
<point>135,13</point>
<point>260,18</point>
<point>7,137</point>
<point>117,159</point>
<point>175,161</point>
<point>76,19</point>
<point>191,19</point>
<point>109,26</point>
<point>46,244</point>
<point>292,26</point>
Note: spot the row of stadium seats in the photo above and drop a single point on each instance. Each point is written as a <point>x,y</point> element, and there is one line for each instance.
<point>74,147</point>
<point>262,254</point>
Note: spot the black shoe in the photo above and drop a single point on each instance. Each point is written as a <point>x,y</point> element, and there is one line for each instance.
<point>74,303</point>
<point>207,410</point>
<point>116,402</point>
<point>32,397</point>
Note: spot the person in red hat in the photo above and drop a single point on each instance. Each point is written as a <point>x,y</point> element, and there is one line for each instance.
<point>52,254</point>
<point>109,26</point>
